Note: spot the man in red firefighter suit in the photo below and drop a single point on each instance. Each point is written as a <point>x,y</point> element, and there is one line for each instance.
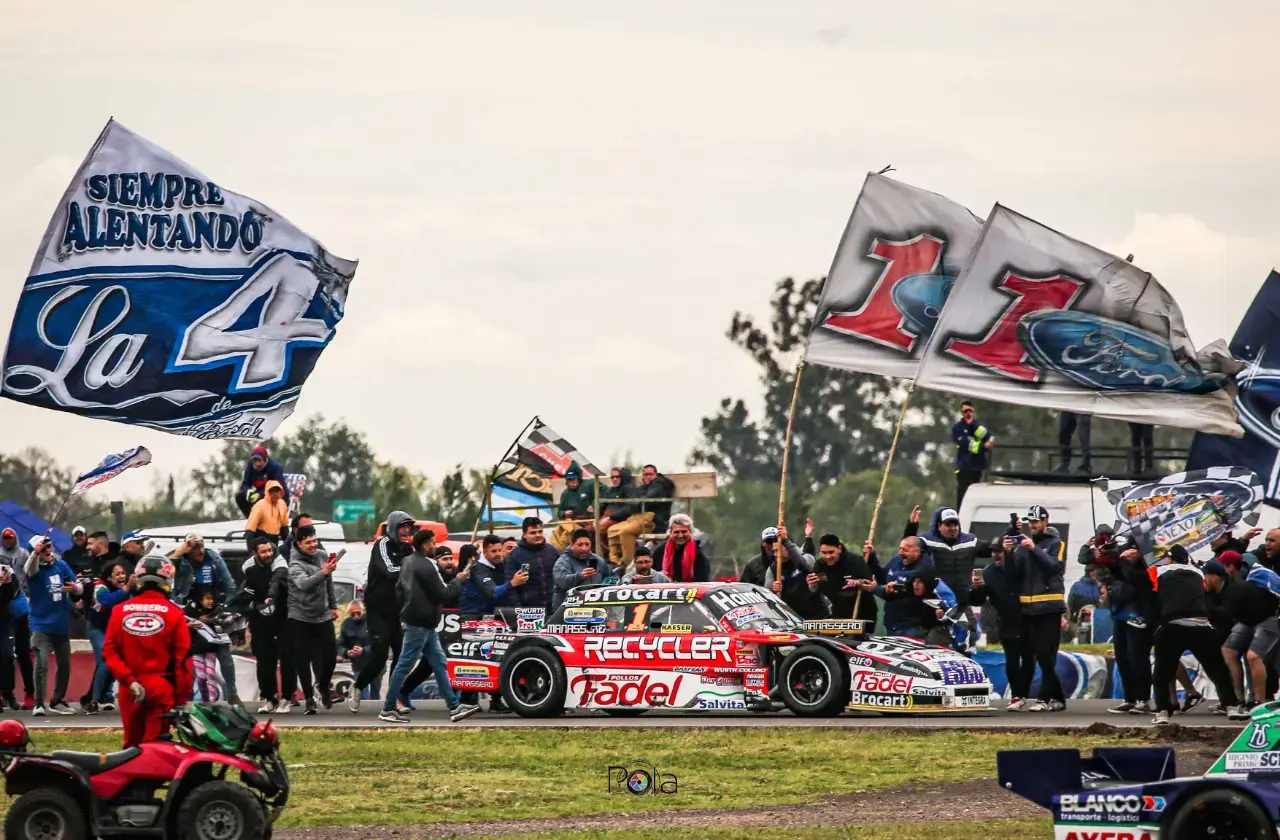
<point>146,648</point>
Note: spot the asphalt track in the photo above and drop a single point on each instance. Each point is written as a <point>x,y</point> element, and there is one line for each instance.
<point>1081,714</point>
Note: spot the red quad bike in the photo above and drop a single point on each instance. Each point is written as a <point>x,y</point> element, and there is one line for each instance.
<point>177,787</point>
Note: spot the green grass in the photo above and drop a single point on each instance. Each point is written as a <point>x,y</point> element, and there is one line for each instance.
<point>429,775</point>
<point>984,830</point>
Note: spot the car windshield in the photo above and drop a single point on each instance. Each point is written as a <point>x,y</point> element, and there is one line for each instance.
<point>772,616</point>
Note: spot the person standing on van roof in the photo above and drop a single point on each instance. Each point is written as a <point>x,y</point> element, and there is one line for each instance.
<point>973,444</point>
<point>1070,423</point>
<point>253,486</point>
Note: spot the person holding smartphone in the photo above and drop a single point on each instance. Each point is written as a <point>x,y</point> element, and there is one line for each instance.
<point>643,571</point>
<point>579,565</point>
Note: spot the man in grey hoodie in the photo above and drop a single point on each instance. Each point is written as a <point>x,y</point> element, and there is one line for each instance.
<point>577,566</point>
<point>313,608</point>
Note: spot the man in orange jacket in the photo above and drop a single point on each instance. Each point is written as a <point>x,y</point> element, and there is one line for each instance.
<point>146,648</point>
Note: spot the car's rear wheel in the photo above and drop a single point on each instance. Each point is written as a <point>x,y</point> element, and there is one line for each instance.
<point>813,682</point>
<point>533,682</point>
<point>1221,814</point>
<point>219,810</point>
<point>45,814</point>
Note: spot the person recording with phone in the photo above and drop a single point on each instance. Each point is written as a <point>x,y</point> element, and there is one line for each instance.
<point>1037,564</point>
<point>579,565</point>
<point>839,570</point>
<point>484,591</point>
<point>995,586</point>
<point>642,569</point>
<point>313,608</point>
<point>895,579</point>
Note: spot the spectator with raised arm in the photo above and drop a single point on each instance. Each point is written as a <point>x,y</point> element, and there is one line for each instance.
<point>485,590</point>
<point>313,607</point>
<point>798,584</point>
<point>894,578</point>
<point>537,559</point>
<point>51,586</point>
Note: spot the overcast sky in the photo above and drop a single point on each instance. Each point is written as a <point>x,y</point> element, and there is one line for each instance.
<point>557,206</point>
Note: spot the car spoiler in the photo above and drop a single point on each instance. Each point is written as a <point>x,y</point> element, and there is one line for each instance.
<point>1040,775</point>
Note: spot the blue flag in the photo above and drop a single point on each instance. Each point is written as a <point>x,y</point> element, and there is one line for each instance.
<point>111,466</point>
<point>1257,400</point>
<point>160,299</point>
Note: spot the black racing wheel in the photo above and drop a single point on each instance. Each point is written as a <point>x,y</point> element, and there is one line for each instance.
<point>1219,813</point>
<point>533,680</point>
<point>813,682</point>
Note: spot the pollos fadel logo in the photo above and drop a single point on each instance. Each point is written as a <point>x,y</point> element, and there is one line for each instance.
<point>676,648</point>
<point>142,624</point>
<point>882,683</point>
<point>618,690</point>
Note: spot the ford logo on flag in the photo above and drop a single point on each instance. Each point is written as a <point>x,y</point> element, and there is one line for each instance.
<point>920,298</point>
<point>1108,355</point>
<point>1258,403</point>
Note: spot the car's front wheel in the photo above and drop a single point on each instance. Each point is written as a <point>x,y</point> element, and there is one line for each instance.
<point>813,682</point>
<point>534,683</point>
<point>1219,812</point>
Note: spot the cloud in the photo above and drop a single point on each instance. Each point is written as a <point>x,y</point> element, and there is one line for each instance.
<point>1213,275</point>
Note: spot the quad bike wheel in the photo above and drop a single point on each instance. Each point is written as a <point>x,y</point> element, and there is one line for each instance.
<point>813,682</point>
<point>221,810</point>
<point>1219,814</point>
<point>533,681</point>
<point>45,814</point>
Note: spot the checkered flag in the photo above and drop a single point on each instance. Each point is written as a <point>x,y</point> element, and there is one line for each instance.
<point>539,456</point>
<point>297,483</point>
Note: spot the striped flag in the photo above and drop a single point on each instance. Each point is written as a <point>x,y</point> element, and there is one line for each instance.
<point>111,466</point>
<point>537,458</point>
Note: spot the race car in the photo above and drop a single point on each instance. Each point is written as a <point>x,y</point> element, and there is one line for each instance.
<point>702,647</point>
<point>1134,793</point>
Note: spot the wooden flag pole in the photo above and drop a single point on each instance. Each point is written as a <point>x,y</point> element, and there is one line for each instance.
<point>786,452</point>
<point>488,488</point>
<point>884,478</point>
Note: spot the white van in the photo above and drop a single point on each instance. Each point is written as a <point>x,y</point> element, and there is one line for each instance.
<point>1074,509</point>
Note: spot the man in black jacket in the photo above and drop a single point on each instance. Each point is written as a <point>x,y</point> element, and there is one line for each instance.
<point>424,594</point>
<point>1184,626</point>
<point>798,587</point>
<point>537,559</point>
<point>266,579</point>
<point>382,600</point>
<point>655,485</point>
<point>1037,565</point>
<point>838,569</point>
<point>996,585</point>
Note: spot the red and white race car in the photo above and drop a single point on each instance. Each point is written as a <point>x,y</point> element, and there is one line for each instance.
<point>702,647</point>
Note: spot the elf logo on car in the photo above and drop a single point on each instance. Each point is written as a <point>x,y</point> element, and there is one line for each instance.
<point>883,683</point>
<point>657,647</point>
<point>729,600</point>
<point>607,690</point>
<point>143,624</point>
<point>1099,803</point>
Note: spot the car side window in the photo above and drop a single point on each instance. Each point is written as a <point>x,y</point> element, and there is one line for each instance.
<point>693,616</point>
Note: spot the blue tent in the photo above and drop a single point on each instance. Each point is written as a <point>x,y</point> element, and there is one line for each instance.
<point>28,524</point>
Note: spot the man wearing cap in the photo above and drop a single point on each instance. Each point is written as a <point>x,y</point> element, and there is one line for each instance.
<point>253,486</point>
<point>197,567</point>
<point>1037,564</point>
<point>78,556</point>
<point>133,547</point>
<point>52,586</point>
<point>758,567</point>
<point>577,502</point>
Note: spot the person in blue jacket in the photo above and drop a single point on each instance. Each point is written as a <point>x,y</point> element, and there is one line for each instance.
<point>973,444</point>
<point>895,578</point>
<point>253,486</point>
<point>486,590</point>
<point>111,589</point>
<point>51,588</point>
